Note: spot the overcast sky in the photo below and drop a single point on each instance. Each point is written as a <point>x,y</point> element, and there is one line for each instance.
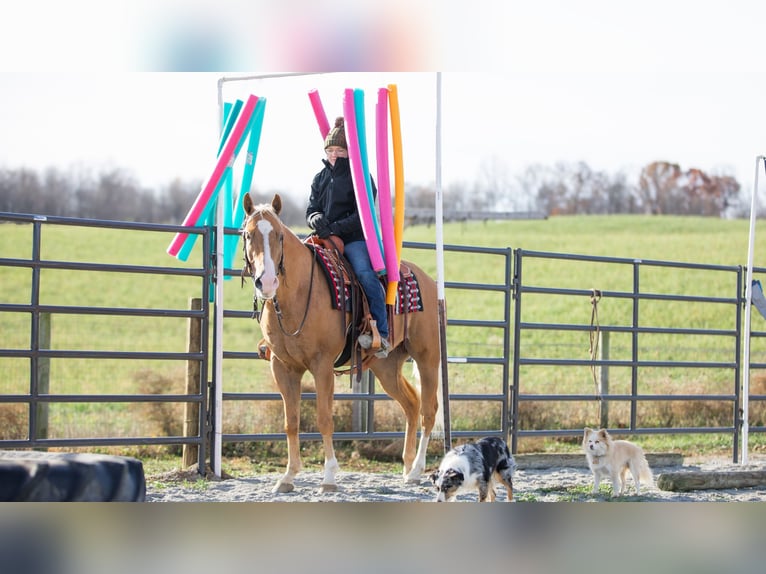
<point>616,85</point>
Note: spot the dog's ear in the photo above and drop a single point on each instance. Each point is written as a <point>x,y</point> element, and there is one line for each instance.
<point>454,474</point>
<point>588,430</point>
<point>603,434</point>
<point>434,476</point>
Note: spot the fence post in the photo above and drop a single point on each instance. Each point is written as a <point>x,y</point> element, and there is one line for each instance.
<point>43,375</point>
<point>191,410</point>
<point>359,407</point>
<point>603,370</point>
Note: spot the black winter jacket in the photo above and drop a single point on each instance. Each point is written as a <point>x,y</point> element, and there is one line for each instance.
<point>332,194</point>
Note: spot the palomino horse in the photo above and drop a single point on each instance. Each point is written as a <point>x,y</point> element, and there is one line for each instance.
<point>304,332</point>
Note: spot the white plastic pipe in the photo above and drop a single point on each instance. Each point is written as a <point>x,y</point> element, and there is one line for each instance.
<point>748,305</point>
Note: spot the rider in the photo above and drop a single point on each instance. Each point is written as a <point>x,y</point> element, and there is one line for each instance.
<point>332,210</point>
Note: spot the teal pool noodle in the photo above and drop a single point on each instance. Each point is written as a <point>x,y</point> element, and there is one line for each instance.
<point>238,210</point>
<point>362,136</point>
<point>206,219</point>
<point>230,114</point>
<point>207,216</point>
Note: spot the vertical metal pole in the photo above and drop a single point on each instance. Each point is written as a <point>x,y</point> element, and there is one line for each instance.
<point>634,347</point>
<point>218,370</point>
<point>440,268</point>
<point>516,349</point>
<point>748,302</point>
<point>507,421</point>
<point>603,371</point>
<point>738,367</point>
<point>34,365</point>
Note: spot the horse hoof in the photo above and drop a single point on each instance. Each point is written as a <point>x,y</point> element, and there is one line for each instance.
<point>411,480</point>
<point>284,488</point>
<point>325,488</point>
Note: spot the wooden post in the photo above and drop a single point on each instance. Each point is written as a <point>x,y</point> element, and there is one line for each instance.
<point>603,370</point>
<point>684,481</point>
<point>191,410</point>
<point>43,374</point>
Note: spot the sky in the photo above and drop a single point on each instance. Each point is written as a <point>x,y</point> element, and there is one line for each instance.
<point>616,85</point>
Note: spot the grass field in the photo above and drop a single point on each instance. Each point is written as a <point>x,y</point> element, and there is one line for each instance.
<point>675,239</point>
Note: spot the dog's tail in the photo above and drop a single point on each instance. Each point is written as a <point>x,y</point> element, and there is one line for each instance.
<point>644,471</point>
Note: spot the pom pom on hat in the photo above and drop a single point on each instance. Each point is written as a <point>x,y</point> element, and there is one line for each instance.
<point>337,135</point>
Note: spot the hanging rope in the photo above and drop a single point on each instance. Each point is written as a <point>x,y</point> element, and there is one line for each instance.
<point>595,332</point>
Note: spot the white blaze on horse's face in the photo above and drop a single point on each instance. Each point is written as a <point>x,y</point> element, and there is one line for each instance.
<point>265,268</point>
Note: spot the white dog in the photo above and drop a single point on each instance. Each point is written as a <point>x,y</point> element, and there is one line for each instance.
<point>613,458</point>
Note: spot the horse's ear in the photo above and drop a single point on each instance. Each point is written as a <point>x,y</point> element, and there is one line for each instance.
<point>247,203</point>
<point>276,203</point>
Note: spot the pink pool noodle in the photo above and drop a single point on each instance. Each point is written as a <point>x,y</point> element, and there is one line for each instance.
<point>210,186</point>
<point>357,175</point>
<point>316,103</point>
<point>384,194</point>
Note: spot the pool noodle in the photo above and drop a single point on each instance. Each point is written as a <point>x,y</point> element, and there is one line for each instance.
<point>357,176</point>
<point>319,113</point>
<point>207,217</point>
<point>361,130</point>
<point>384,195</point>
<point>396,143</point>
<point>213,181</point>
<point>238,210</point>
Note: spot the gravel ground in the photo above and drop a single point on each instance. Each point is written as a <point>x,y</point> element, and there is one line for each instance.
<point>557,484</point>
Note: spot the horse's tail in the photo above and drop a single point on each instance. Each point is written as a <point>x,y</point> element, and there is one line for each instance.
<point>438,431</point>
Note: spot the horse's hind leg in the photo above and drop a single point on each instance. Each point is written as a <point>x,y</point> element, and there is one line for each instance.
<point>289,384</point>
<point>426,354</point>
<point>428,374</point>
<point>388,372</point>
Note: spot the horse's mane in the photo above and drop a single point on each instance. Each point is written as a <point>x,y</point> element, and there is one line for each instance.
<point>264,207</point>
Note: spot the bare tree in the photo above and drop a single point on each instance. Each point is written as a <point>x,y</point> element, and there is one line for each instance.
<point>657,187</point>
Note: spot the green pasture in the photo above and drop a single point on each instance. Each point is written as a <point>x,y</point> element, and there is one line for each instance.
<point>668,239</point>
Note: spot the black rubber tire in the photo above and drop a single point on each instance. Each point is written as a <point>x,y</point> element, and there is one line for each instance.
<point>63,477</point>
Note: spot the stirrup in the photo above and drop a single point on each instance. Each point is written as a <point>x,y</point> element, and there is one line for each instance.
<point>385,349</point>
<point>370,340</point>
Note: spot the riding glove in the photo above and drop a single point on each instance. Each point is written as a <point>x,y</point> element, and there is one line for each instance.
<point>316,220</point>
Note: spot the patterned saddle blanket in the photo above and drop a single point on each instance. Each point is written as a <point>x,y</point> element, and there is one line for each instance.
<point>408,299</point>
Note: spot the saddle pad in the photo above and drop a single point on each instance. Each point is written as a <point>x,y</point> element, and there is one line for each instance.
<point>408,299</point>
<point>334,277</point>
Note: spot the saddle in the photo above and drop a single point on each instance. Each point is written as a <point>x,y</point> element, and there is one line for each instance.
<point>347,294</point>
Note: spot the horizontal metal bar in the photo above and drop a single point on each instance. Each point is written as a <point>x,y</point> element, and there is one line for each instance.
<point>626,363</point>
<point>122,398</point>
<point>623,397</point>
<point>627,329</point>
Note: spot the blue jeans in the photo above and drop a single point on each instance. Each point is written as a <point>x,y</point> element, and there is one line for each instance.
<point>356,253</point>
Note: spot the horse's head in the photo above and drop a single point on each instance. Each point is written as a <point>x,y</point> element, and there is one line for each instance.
<point>263,234</point>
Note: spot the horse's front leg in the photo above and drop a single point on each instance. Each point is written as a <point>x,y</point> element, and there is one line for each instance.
<point>325,387</point>
<point>289,384</point>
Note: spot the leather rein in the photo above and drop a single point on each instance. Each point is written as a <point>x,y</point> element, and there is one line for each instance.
<point>248,270</point>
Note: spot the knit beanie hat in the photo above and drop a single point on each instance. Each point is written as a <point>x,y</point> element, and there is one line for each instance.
<point>337,135</point>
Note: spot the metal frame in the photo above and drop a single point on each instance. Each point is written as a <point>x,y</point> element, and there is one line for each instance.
<point>510,394</point>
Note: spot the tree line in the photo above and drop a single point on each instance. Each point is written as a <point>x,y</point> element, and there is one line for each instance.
<point>662,188</point>
<point>110,194</point>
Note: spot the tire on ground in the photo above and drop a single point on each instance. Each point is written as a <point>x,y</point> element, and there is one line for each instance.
<point>53,477</point>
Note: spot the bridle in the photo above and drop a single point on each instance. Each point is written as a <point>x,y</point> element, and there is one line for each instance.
<point>248,269</point>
